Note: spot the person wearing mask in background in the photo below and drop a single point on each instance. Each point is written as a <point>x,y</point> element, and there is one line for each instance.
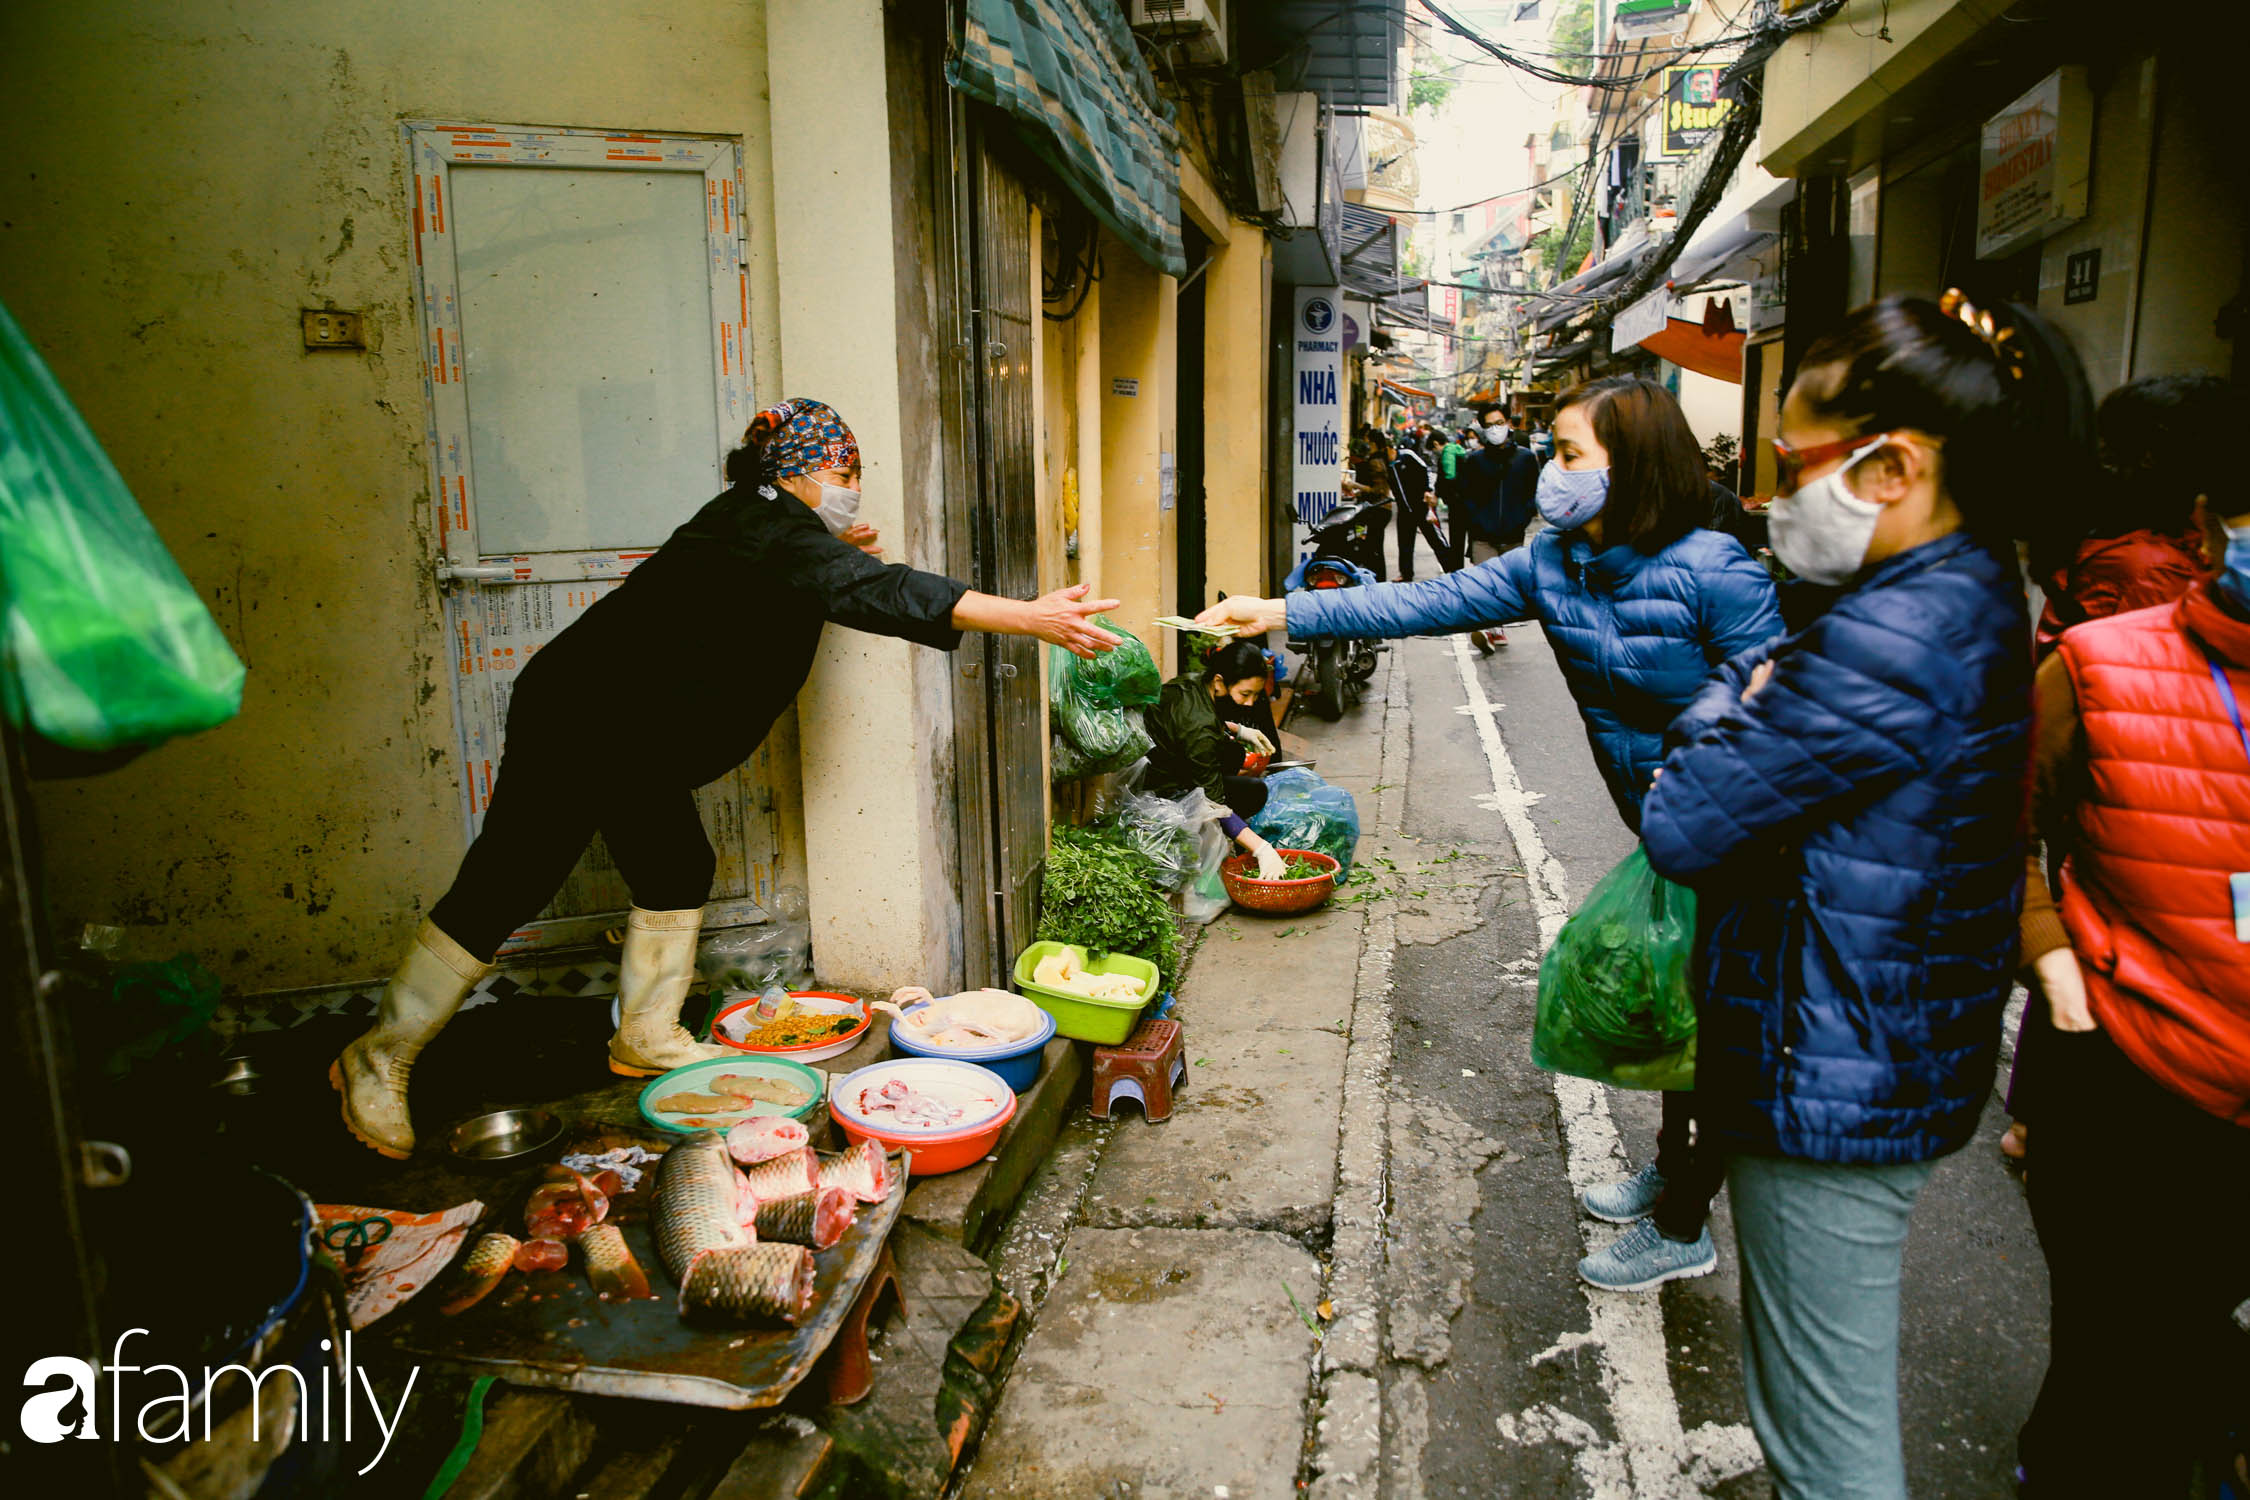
<point>1848,801</point>
<point>1199,748</point>
<point>1497,489</point>
<point>1641,602</point>
<point>2163,439</point>
<point>698,651</point>
<point>2141,786</point>
<point>1412,472</point>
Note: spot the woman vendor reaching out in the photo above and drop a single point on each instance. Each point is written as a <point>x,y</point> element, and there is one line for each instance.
<point>1199,747</point>
<point>779,552</point>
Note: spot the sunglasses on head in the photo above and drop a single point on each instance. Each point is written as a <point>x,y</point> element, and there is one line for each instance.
<point>1790,463</point>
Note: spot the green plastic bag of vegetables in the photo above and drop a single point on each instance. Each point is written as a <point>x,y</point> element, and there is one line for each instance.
<point>1093,730</point>
<point>108,645</point>
<point>1616,1000</point>
<point>1123,678</point>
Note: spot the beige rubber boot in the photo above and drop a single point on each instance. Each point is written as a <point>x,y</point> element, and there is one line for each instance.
<point>435,977</point>
<point>653,978</point>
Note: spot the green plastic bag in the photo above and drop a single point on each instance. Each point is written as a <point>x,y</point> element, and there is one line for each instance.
<point>1616,1000</point>
<point>1096,729</point>
<point>108,645</point>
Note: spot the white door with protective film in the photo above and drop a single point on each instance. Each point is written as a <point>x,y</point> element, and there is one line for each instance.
<point>583,311</point>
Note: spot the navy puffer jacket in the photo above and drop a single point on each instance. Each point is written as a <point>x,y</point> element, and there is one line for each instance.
<point>1637,634</point>
<point>1860,818</point>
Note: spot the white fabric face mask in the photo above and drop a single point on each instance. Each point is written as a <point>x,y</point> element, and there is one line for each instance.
<point>1496,435</point>
<point>1821,532</point>
<point>838,508</point>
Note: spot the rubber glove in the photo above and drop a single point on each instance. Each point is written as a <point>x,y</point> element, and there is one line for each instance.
<point>1270,866</point>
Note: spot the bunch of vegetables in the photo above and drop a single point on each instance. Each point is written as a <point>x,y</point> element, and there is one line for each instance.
<point>1097,895</point>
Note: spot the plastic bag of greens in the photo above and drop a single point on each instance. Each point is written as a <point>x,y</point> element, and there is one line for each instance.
<point>1163,832</point>
<point>1203,895</point>
<point>1091,736</point>
<point>108,645</point>
<point>1123,678</point>
<point>1304,812</point>
<point>1616,1001</point>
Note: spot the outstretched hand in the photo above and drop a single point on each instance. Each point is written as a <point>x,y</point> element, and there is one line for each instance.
<point>1065,618</point>
<point>1249,616</point>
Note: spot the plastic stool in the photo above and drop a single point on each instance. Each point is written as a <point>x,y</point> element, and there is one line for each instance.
<point>1148,1066</point>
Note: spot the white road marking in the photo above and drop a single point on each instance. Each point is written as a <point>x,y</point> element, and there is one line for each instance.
<point>1650,1458</point>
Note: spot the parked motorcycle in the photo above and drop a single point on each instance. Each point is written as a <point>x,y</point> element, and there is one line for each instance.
<point>1346,548</point>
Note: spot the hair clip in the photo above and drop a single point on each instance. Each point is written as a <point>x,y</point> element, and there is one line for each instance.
<point>2010,355</point>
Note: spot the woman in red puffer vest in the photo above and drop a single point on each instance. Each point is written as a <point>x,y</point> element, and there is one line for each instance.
<point>2141,1049</point>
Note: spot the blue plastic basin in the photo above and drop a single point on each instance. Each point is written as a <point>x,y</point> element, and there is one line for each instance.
<point>1017,1063</point>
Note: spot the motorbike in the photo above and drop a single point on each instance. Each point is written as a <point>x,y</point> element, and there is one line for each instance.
<point>1337,672</point>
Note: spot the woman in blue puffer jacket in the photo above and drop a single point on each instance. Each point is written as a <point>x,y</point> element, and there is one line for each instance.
<point>1641,604</point>
<point>1849,804</point>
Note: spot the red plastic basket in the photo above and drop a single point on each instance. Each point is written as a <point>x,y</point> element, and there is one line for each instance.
<point>1279,898</point>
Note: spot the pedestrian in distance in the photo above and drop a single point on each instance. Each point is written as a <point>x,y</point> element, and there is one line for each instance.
<point>695,691</point>
<point>2141,1076</point>
<point>1848,800</point>
<point>1641,603</point>
<point>1496,490</point>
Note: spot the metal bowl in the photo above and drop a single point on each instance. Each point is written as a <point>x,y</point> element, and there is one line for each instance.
<point>505,1135</point>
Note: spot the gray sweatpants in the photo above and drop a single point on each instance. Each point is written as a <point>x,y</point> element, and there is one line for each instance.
<point>1820,1249</point>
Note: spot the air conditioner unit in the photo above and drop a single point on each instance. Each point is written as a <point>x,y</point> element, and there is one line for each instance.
<point>1197,27</point>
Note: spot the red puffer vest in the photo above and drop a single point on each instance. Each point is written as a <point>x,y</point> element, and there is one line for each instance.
<point>2112,574</point>
<point>2166,821</point>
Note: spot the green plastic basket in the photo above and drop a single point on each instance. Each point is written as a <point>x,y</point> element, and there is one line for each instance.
<point>1087,1020</point>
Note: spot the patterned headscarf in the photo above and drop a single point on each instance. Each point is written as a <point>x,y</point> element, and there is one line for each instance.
<point>807,437</point>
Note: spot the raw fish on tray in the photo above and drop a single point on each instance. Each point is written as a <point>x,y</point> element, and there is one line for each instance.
<point>759,1281</point>
<point>689,1102</point>
<point>864,1171</point>
<point>697,1204</point>
<point>764,1137</point>
<point>564,1206</point>
<point>542,1255</point>
<point>610,1265</point>
<point>784,1176</point>
<point>818,1218</point>
<point>759,1087</point>
<point>475,1275</point>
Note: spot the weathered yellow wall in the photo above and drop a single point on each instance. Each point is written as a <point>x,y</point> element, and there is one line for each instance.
<point>188,175</point>
<point>1238,299</point>
<point>1139,342</point>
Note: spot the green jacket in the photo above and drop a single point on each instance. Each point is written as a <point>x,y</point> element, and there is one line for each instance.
<point>1448,456</point>
<point>1192,750</point>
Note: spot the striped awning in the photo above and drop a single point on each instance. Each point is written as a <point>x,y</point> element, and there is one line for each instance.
<point>1068,74</point>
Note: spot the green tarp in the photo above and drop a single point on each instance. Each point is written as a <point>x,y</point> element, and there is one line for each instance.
<point>1069,75</point>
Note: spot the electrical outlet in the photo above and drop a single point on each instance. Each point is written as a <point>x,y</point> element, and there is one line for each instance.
<point>334,328</point>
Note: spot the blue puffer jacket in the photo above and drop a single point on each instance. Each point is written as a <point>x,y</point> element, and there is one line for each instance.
<point>1860,817</point>
<point>1637,633</point>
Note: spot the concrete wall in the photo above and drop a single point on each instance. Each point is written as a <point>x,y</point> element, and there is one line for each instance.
<point>190,174</point>
<point>1820,84</point>
<point>1139,344</point>
<point>1237,300</point>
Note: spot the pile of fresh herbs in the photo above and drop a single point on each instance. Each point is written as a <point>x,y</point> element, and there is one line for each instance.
<point>1097,895</point>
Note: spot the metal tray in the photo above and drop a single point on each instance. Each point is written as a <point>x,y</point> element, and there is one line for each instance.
<point>549,1329</point>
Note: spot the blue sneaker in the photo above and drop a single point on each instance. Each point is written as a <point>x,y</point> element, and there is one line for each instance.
<point>1642,1258</point>
<point>1623,1202</point>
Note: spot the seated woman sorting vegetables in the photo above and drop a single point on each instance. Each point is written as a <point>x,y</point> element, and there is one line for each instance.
<point>1197,749</point>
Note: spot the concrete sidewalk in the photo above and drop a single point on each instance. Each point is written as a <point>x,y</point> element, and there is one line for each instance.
<point>1177,1269</point>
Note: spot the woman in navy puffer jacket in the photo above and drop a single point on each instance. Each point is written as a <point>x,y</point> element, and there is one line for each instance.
<point>1641,604</point>
<point>1849,803</point>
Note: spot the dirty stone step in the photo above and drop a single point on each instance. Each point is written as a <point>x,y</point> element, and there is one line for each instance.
<point>969,1206</point>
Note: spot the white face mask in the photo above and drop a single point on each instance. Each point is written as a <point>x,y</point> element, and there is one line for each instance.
<point>838,508</point>
<point>1821,532</point>
<point>1496,435</point>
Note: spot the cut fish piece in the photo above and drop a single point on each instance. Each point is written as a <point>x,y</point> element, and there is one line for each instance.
<point>864,1171</point>
<point>475,1275</point>
<point>759,1087</point>
<point>610,1265</point>
<point>785,1176</point>
<point>697,1195</point>
<point>764,1137</point>
<point>760,1281</point>
<point>818,1218</point>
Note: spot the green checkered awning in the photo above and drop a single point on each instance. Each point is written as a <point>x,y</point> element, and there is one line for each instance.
<point>1068,74</point>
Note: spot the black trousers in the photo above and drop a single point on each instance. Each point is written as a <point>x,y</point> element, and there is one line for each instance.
<point>1412,516</point>
<point>561,782</point>
<point>1693,1174</point>
<point>2142,1203</point>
